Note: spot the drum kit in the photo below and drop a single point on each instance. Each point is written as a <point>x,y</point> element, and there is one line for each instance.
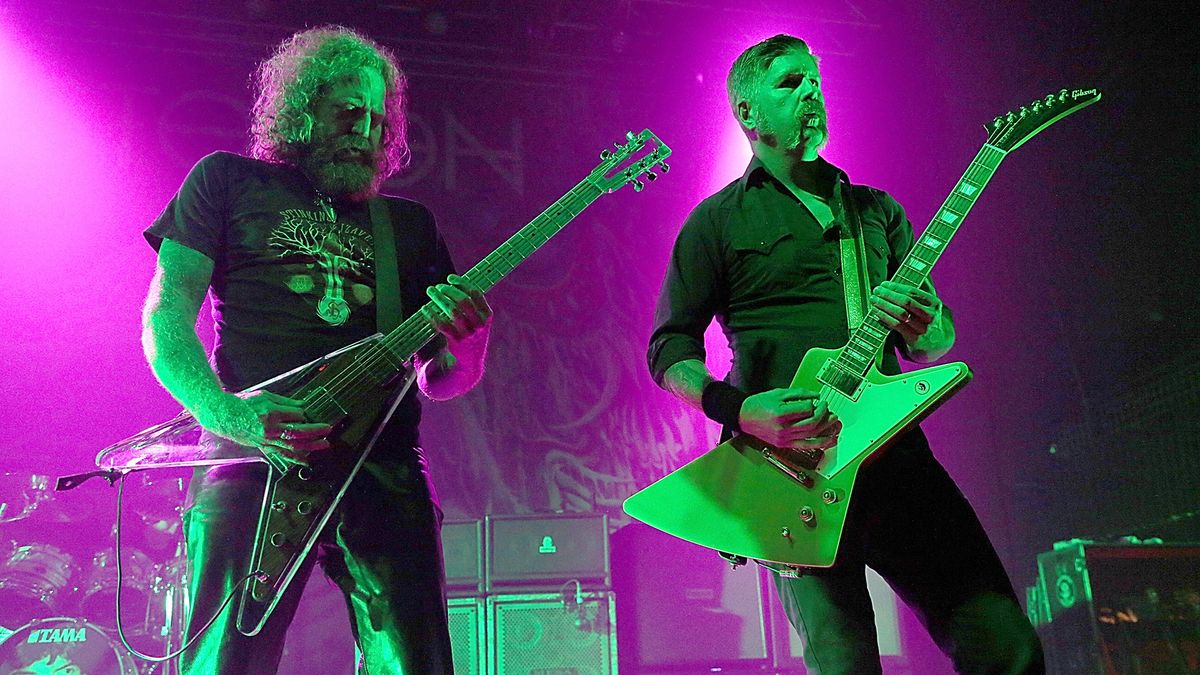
<point>59,582</point>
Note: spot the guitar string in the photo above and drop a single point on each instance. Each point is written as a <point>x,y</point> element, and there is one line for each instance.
<point>421,330</point>
<point>411,332</point>
<point>835,400</point>
<point>974,174</point>
<point>351,381</point>
<point>562,205</point>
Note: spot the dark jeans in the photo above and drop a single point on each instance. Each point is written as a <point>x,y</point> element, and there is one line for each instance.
<point>382,548</point>
<point>909,522</point>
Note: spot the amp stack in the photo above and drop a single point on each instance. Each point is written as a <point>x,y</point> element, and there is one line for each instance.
<point>1130,607</point>
<point>531,594</point>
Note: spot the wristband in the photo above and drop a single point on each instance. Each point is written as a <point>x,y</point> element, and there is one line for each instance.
<point>722,402</point>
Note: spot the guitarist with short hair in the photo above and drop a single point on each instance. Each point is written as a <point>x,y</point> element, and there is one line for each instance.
<point>283,241</point>
<point>762,257</point>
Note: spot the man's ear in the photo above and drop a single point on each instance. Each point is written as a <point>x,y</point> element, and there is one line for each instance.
<point>745,115</point>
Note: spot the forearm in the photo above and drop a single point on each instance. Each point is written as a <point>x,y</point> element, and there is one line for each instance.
<point>686,380</point>
<point>456,368</point>
<point>178,361</point>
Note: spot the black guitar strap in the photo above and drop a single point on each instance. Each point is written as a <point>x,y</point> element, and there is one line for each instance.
<point>388,305</point>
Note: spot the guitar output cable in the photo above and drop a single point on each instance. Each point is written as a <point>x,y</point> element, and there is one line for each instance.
<point>121,629</point>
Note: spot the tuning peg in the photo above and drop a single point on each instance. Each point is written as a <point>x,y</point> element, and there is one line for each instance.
<point>1062,94</point>
<point>606,155</point>
<point>1024,111</point>
<point>651,176</point>
<point>638,186</point>
<point>629,135</point>
<point>1037,105</point>
<point>998,121</point>
<point>664,166</point>
<point>1049,100</point>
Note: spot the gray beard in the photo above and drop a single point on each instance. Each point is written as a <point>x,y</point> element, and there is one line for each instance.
<point>339,177</point>
<point>797,140</point>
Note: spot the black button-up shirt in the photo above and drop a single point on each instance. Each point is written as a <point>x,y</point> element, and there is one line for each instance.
<point>755,258</point>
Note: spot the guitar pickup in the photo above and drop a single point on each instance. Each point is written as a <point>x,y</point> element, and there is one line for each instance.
<point>835,377</point>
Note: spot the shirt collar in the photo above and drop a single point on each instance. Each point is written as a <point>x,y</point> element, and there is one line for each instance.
<point>757,174</point>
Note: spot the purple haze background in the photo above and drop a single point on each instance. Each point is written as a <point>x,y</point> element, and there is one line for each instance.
<point>1063,299</point>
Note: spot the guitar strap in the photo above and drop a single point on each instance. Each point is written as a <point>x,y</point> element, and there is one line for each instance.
<point>388,306</point>
<point>854,263</point>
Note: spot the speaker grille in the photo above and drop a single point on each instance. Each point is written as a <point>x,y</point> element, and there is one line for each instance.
<point>540,634</point>
<point>466,635</point>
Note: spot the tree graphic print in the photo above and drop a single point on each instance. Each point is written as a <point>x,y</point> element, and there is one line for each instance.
<point>338,250</point>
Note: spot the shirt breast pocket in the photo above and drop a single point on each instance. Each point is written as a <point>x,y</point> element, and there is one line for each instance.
<point>765,260</point>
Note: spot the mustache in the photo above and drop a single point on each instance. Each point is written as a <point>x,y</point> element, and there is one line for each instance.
<point>353,143</point>
<point>347,150</point>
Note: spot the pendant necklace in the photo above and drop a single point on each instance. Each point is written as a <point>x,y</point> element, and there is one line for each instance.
<point>325,205</point>
<point>332,307</point>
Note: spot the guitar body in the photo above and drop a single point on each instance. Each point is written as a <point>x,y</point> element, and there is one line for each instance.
<point>299,501</point>
<point>750,499</point>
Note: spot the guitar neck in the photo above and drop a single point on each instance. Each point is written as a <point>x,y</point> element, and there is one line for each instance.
<point>868,338</point>
<point>415,331</point>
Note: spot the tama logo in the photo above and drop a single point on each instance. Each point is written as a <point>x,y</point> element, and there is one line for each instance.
<point>58,635</point>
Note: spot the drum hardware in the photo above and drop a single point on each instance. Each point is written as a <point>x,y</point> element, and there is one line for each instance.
<point>63,645</point>
<point>23,494</point>
<point>35,580</point>
<point>46,587</point>
<point>171,582</point>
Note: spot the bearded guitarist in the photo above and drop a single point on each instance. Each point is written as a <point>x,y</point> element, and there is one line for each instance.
<point>763,257</point>
<point>283,241</point>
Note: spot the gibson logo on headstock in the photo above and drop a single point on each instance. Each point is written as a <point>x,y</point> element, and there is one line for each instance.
<point>1082,92</point>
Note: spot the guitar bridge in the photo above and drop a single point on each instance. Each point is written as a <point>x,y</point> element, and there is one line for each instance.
<point>789,468</point>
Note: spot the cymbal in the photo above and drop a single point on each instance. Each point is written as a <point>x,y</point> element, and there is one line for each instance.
<point>21,493</point>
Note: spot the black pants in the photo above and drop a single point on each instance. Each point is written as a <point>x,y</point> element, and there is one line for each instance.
<point>382,548</point>
<point>909,522</point>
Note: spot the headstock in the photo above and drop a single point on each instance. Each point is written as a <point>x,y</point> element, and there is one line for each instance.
<point>1009,132</point>
<point>630,161</point>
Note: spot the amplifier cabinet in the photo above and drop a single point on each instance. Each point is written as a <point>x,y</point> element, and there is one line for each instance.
<point>552,633</point>
<point>468,635</point>
<point>682,609</point>
<point>1118,608</point>
<point>546,551</point>
<point>462,551</point>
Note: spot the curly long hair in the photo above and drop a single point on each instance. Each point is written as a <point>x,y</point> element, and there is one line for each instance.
<point>288,84</point>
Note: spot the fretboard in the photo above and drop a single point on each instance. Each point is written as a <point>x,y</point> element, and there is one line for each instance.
<point>415,331</point>
<point>868,338</point>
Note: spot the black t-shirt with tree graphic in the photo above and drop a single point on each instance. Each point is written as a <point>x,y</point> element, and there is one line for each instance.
<point>293,275</point>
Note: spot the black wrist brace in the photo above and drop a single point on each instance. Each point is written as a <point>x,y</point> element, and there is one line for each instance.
<point>722,402</point>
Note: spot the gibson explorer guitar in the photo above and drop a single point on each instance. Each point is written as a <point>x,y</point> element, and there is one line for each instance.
<point>355,389</point>
<point>786,508</point>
